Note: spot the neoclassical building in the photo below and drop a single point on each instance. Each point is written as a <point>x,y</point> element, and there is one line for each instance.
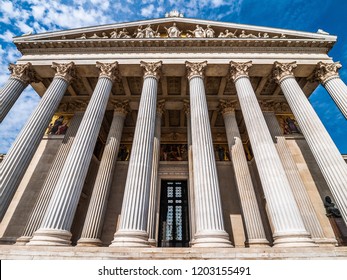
<point>174,132</point>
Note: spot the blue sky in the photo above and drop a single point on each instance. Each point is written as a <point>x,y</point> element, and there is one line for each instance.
<point>18,17</point>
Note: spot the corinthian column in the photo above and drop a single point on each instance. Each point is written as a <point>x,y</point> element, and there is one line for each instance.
<point>328,157</point>
<point>250,209</point>
<point>15,163</point>
<point>327,74</point>
<point>91,231</point>
<point>56,224</point>
<point>154,176</point>
<point>287,224</point>
<point>132,230</point>
<point>48,187</point>
<point>21,76</point>
<point>209,218</point>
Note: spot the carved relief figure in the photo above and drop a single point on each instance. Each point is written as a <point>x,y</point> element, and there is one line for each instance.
<point>114,34</point>
<point>140,33</point>
<point>94,36</point>
<point>149,32</point>
<point>173,31</point>
<point>209,32</point>
<point>244,35</point>
<point>84,36</point>
<point>198,32</point>
<point>227,34</point>
<point>123,34</point>
<point>104,35</point>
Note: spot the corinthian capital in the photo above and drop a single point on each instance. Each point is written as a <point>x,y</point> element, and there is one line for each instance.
<point>23,72</point>
<point>239,69</point>
<point>325,71</point>
<point>121,108</point>
<point>227,106</point>
<point>283,70</point>
<point>65,71</point>
<point>108,70</point>
<point>151,69</point>
<point>195,69</point>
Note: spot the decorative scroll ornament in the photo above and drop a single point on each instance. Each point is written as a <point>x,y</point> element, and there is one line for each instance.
<point>108,70</point>
<point>239,69</point>
<point>227,106</point>
<point>282,70</point>
<point>23,72</point>
<point>325,71</point>
<point>121,107</point>
<point>161,107</point>
<point>151,69</point>
<point>195,69</point>
<point>186,107</point>
<point>65,71</point>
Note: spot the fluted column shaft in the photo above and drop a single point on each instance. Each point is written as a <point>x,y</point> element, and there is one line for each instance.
<point>209,218</point>
<point>21,76</point>
<point>49,184</point>
<point>288,226</point>
<point>154,178</point>
<point>16,161</point>
<point>305,205</point>
<point>192,220</point>
<point>56,224</point>
<point>132,230</point>
<point>327,74</point>
<point>328,157</point>
<point>250,209</point>
<point>92,227</point>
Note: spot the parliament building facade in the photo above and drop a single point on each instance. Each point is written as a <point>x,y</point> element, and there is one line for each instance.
<point>174,138</point>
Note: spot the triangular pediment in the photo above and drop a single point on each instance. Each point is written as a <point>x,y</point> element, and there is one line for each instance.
<point>186,28</point>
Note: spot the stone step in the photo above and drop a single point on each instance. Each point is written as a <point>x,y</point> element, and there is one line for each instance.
<point>13,252</point>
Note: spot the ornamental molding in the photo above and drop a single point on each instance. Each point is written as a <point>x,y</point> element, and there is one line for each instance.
<point>151,69</point>
<point>326,71</point>
<point>227,106</point>
<point>66,71</point>
<point>195,69</point>
<point>239,69</point>
<point>283,70</point>
<point>108,70</point>
<point>274,106</point>
<point>23,72</point>
<point>186,107</point>
<point>73,106</point>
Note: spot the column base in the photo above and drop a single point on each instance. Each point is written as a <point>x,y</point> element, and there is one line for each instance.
<point>213,239</point>
<point>322,242</point>
<point>89,242</point>
<point>152,242</point>
<point>293,240</point>
<point>257,243</point>
<point>23,240</point>
<point>51,237</point>
<point>130,238</point>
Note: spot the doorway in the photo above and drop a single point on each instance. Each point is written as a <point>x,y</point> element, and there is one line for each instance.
<point>174,217</point>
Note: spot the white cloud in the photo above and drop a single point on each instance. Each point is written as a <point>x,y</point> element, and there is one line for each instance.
<point>7,37</point>
<point>147,11</point>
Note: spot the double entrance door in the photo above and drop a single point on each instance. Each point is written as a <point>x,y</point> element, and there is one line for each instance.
<point>174,214</point>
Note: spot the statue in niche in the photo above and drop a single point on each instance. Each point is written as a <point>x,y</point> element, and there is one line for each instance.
<point>173,31</point>
<point>114,34</point>
<point>198,32</point>
<point>244,35</point>
<point>227,34</point>
<point>123,34</point>
<point>332,211</point>
<point>123,153</point>
<point>209,32</point>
